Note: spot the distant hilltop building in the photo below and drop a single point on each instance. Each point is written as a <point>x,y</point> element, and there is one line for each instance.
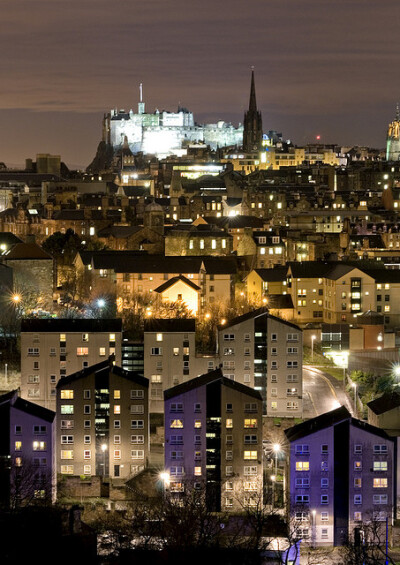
<point>165,133</point>
<point>393,139</point>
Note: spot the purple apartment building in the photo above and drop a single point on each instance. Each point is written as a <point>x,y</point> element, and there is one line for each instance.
<point>27,469</point>
<point>341,475</point>
<point>213,440</point>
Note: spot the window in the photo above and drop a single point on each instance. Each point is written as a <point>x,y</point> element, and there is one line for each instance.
<point>250,455</point>
<point>302,499</point>
<point>250,407</point>
<point>357,482</point>
<point>357,448</point>
<point>381,448</point>
<point>81,351</point>
<point>88,440</point>
<point>87,469</point>
<point>229,423</point>
<point>18,445</point>
<point>250,423</point>
<point>357,465</point>
<point>250,439</point>
<point>229,337</point>
<point>67,454</point>
<point>87,454</point>
<point>302,465</point>
<point>246,378</point>
<point>67,394</point>
<point>176,423</point>
<point>33,351</point>
<point>324,465</point>
<point>357,516</point>
<point>291,378</point>
<point>380,466</point>
<point>85,338</point>
<point>177,440</point>
<point>301,516</point>
<point>156,351</point>
<point>380,499</point>
<point>67,469</point>
<point>380,483</point>
<point>357,499</point>
<point>87,423</point>
<point>156,379</point>
<point>302,483</point>
<point>324,499</point>
<point>67,409</point>
<point>40,430</point>
<point>86,394</point>
<point>137,454</point>
<point>18,430</point>
<point>197,407</point>
<point>197,423</point>
<point>137,409</point>
<point>87,409</point>
<point>67,439</point>
<point>137,394</point>
<point>250,470</point>
<point>102,351</point>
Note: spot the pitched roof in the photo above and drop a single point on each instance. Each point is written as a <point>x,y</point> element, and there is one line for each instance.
<point>141,262</point>
<point>104,367</point>
<point>210,377</point>
<point>26,406</point>
<point>327,420</point>
<point>384,403</point>
<point>21,251</point>
<point>173,281</point>
<point>277,274</point>
<point>264,311</point>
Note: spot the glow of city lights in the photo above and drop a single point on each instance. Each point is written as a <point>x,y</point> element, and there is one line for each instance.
<point>223,321</point>
<point>101,303</point>
<point>104,447</point>
<point>16,298</point>
<point>276,447</point>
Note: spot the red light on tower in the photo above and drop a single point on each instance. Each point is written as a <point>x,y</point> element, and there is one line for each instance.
<point>318,137</point>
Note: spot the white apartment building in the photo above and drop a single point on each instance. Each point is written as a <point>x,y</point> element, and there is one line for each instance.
<point>54,348</point>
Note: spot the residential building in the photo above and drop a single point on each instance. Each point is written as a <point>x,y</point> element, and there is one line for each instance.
<point>102,423</point>
<point>27,466</point>
<point>53,348</point>
<point>342,474</point>
<point>213,440</point>
<point>169,356</point>
<point>265,352</point>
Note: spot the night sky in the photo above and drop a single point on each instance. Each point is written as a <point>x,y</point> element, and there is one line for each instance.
<point>328,67</point>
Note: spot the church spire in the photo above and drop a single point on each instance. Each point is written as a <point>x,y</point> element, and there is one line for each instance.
<point>252,125</point>
<point>397,112</point>
<point>252,103</point>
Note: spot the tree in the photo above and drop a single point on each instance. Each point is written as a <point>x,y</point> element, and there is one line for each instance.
<point>367,544</point>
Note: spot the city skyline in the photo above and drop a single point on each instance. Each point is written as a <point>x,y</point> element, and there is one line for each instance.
<point>320,70</point>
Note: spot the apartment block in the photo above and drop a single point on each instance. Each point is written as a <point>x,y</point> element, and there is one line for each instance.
<point>342,473</point>
<point>26,451</point>
<point>266,353</point>
<point>102,423</point>
<point>169,354</point>
<point>54,348</point>
<point>213,440</point>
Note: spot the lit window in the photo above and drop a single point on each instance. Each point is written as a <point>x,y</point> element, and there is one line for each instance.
<point>117,409</point>
<point>380,483</point>
<point>229,423</point>
<point>81,351</point>
<point>67,394</point>
<point>302,465</point>
<point>117,394</point>
<point>159,337</point>
<point>176,423</point>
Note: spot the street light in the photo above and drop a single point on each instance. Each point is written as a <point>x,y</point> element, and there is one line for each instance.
<point>104,449</point>
<point>275,448</point>
<point>312,347</point>
<point>164,477</point>
<point>354,385</point>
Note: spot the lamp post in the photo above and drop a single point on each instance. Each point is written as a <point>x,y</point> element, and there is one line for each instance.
<point>314,528</point>
<point>104,449</point>
<point>276,448</point>
<point>355,398</point>
<point>312,347</point>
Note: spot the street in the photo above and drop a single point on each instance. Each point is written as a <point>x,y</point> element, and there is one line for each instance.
<point>322,393</point>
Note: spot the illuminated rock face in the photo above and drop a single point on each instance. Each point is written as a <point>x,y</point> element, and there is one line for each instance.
<point>393,139</point>
<point>165,133</point>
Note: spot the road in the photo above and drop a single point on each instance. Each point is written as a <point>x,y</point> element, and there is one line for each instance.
<point>322,393</point>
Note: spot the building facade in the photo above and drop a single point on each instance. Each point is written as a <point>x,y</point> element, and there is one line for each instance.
<point>213,440</point>
<point>53,348</point>
<point>265,352</point>
<point>342,473</point>
<point>27,463</point>
<point>102,423</point>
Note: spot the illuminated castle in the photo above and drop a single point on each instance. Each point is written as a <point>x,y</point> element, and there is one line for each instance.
<point>165,133</point>
<point>393,139</point>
